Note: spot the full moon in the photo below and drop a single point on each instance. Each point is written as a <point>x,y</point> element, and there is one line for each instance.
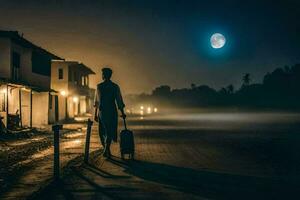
<point>217,40</point>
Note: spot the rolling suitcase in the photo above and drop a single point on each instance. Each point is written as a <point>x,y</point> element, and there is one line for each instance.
<point>126,142</point>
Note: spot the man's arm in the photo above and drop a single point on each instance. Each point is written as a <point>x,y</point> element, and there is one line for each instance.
<point>120,102</point>
<point>123,115</point>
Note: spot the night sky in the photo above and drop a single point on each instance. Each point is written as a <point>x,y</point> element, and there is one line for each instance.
<point>149,43</point>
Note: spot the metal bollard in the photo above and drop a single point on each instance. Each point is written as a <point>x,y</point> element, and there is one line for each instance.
<point>55,129</point>
<point>87,141</point>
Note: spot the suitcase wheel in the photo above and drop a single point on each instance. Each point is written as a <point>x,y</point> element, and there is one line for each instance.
<point>131,156</point>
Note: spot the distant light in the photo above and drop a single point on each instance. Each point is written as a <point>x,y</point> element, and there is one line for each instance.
<point>3,91</point>
<point>142,107</point>
<point>142,112</point>
<point>63,93</point>
<point>128,111</point>
<point>149,110</point>
<point>75,99</point>
<point>155,110</point>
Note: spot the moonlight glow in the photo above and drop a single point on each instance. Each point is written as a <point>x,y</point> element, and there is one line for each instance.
<point>217,40</point>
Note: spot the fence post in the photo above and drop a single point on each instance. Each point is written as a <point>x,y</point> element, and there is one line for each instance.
<point>55,129</point>
<point>87,141</point>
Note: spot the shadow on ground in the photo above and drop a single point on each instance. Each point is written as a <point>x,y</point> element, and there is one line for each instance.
<point>199,183</point>
<point>216,185</point>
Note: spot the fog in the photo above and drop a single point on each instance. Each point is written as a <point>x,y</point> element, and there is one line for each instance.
<point>226,120</point>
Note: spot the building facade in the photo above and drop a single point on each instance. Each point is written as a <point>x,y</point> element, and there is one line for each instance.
<point>25,83</point>
<point>71,80</point>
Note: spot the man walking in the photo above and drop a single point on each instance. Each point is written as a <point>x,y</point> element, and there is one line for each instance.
<point>107,98</point>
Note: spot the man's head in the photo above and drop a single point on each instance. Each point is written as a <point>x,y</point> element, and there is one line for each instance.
<point>106,73</point>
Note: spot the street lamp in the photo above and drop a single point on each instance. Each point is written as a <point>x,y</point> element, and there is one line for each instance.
<point>3,91</point>
<point>149,110</point>
<point>75,99</point>
<point>63,93</point>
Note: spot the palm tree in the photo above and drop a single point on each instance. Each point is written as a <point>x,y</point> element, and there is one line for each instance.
<point>230,89</point>
<point>223,90</point>
<point>246,79</point>
<point>287,69</point>
<point>193,86</point>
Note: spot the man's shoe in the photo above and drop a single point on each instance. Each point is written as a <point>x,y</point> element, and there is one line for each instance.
<point>108,154</point>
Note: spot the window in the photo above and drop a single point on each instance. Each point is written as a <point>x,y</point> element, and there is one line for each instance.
<point>83,81</point>
<point>70,75</point>
<point>15,71</point>
<point>16,60</point>
<point>41,63</point>
<point>60,73</point>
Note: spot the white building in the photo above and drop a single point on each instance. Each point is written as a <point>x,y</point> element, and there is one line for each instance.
<point>25,92</point>
<point>71,80</point>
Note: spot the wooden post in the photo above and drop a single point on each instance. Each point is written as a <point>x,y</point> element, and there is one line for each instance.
<point>31,108</point>
<point>66,108</point>
<point>78,106</point>
<point>7,106</point>
<point>55,129</point>
<point>20,106</point>
<point>87,141</point>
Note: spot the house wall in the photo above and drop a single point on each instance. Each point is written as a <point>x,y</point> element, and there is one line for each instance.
<point>70,108</point>
<point>25,100</point>
<point>62,107</point>
<point>39,110</point>
<point>26,68</point>
<point>60,85</point>
<point>13,100</point>
<point>41,115</point>
<point>56,83</point>
<point>82,105</point>
<point>73,87</point>
<point>5,58</point>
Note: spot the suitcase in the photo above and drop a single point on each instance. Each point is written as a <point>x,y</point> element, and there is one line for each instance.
<point>126,143</point>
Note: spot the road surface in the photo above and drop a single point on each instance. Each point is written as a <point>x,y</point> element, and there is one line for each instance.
<point>27,163</point>
<point>195,156</point>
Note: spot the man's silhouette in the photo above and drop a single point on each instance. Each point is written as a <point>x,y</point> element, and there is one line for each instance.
<point>107,98</point>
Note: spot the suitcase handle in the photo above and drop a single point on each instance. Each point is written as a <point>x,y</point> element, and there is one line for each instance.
<point>125,125</point>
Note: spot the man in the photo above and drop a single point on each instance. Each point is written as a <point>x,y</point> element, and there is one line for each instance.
<point>107,98</point>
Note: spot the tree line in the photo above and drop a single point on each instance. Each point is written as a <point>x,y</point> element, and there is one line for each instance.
<point>279,89</point>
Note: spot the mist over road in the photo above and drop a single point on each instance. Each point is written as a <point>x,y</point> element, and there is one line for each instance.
<point>251,121</point>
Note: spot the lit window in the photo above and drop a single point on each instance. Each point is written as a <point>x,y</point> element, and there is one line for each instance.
<point>82,81</point>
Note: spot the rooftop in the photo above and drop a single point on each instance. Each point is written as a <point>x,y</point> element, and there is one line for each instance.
<point>19,39</point>
<point>83,67</point>
<point>76,64</point>
<point>23,84</point>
